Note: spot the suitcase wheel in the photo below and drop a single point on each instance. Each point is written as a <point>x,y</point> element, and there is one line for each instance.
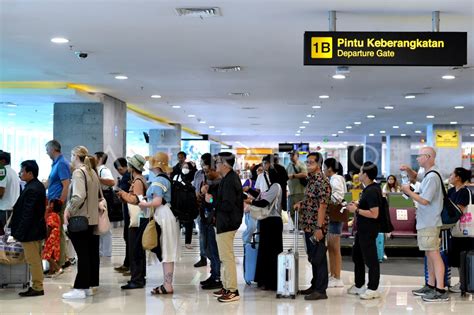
<point>278,296</point>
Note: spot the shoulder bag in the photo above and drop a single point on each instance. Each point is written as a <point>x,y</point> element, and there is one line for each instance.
<point>259,213</point>
<point>134,210</point>
<point>79,223</point>
<point>303,181</point>
<point>150,235</point>
<point>103,225</point>
<point>465,226</point>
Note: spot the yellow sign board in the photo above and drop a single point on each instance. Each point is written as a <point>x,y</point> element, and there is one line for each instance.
<point>447,138</point>
<point>321,47</point>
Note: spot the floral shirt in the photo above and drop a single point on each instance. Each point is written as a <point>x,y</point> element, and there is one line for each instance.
<point>317,191</point>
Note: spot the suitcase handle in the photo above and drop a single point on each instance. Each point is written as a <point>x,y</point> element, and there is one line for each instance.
<point>297,232</point>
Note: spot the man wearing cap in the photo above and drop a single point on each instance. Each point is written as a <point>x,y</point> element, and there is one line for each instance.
<point>296,171</point>
<point>9,187</point>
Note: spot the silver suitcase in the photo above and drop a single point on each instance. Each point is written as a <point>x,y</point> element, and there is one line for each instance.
<point>287,282</point>
<point>18,274</point>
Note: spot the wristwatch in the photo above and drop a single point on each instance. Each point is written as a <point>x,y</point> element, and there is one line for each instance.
<point>357,211</point>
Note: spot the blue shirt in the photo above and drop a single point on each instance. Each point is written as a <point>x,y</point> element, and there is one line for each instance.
<point>60,171</point>
<point>160,187</point>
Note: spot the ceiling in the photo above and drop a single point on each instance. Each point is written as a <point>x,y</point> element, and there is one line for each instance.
<point>162,53</point>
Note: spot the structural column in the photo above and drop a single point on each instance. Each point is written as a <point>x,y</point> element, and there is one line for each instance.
<point>166,140</point>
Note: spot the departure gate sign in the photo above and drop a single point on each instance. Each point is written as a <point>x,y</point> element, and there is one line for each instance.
<point>385,48</point>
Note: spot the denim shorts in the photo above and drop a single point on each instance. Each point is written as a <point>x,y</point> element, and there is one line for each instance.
<point>335,228</point>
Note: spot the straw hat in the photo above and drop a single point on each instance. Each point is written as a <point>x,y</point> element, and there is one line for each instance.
<point>137,161</point>
<point>160,160</point>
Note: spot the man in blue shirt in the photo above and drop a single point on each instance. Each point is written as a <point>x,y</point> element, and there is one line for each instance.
<point>58,186</point>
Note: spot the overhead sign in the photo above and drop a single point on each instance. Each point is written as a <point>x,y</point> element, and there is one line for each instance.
<point>447,138</point>
<point>385,48</point>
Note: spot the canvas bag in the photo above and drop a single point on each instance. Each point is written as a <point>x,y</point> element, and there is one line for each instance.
<point>150,235</point>
<point>465,226</point>
<point>103,225</point>
<point>134,210</point>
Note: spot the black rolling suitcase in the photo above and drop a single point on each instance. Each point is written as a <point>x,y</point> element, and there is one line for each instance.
<point>466,272</point>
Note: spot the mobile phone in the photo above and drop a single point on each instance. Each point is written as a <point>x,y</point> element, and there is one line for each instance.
<point>140,198</point>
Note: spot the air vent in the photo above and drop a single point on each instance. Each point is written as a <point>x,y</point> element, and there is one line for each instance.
<point>227,69</point>
<point>199,12</point>
<point>239,94</point>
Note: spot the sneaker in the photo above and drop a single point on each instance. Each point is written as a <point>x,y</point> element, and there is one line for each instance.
<point>220,293</point>
<point>335,283</point>
<point>212,285</point>
<point>208,280</point>
<point>121,269</point>
<point>423,291</point>
<point>455,288</point>
<point>75,294</point>
<point>355,290</point>
<point>201,263</point>
<point>229,297</point>
<point>188,246</point>
<point>316,296</point>
<point>370,294</point>
<point>435,296</point>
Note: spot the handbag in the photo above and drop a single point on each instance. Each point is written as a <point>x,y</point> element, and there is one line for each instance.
<point>465,226</point>
<point>260,213</point>
<point>335,214</point>
<point>451,213</point>
<point>134,211</point>
<point>103,225</point>
<point>79,223</point>
<point>150,235</point>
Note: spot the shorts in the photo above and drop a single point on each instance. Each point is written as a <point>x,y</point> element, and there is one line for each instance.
<point>428,238</point>
<point>335,228</point>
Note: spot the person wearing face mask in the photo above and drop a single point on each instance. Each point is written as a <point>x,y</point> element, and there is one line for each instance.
<point>186,178</point>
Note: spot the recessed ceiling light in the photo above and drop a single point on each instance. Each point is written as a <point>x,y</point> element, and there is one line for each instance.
<point>223,134</point>
<point>338,76</point>
<point>418,131</point>
<point>448,77</point>
<point>302,127</point>
<point>410,96</point>
<point>305,122</point>
<point>382,131</point>
<point>156,96</point>
<point>409,123</point>
<point>357,122</point>
<point>472,134</point>
<point>430,116</point>
<point>310,116</point>
<point>316,106</point>
<point>396,127</point>
<point>176,106</point>
<point>212,127</point>
<point>59,40</point>
<point>403,135</point>
<point>348,127</point>
<point>218,131</point>
<point>11,114</point>
<point>371,135</point>
<point>388,107</point>
<point>121,77</point>
<point>323,96</point>
<point>345,142</point>
<point>202,122</point>
<point>340,131</point>
<point>458,107</point>
<point>453,122</point>
<point>191,115</point>
<point>334,135</point>
<point>297,134</point>
<point>370,116</point>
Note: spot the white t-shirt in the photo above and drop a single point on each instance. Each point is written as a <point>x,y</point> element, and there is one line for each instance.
<point>104,173</point>
<point>11,183</point>
<point>338,187</point>
<point>261,183</point>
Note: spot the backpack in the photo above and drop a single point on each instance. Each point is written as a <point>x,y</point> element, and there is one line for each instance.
<point>385,223</point>
<point>183,200</point>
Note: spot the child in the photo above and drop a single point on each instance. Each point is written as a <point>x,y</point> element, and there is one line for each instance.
<point>52,247</point>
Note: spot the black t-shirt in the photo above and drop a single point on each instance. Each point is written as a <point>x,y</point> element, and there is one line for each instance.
<point>371,197</point>
<point>460,197</point>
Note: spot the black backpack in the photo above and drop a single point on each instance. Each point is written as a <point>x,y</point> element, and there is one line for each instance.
<point>383,219</point>
<point>183,200</point>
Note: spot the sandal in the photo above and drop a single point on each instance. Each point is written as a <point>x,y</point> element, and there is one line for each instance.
<point>160,291</point>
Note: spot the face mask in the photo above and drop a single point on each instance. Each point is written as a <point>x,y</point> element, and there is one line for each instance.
<point>185,171</point>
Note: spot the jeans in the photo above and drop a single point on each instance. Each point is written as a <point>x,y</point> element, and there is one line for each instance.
<point>252,226</point>
<point>105,247</point>
<point>319,264</point>
<point>212,252</point>
<point>202,237</point>
<point>364,253</point>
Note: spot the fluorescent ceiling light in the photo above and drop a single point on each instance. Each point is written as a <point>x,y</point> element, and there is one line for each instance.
<point>396,127</point>
<point>316,106</point>
<point>448,77</point>
<point>218,131</point>
<point>388,107</point>
<point>430,116</point>
<point>418,131</point>
<point>323,96</point>
<point>371,135</point>
<point>202,122</point>
<point>121,77</point>
<point>458,107</point>
<point>410,96</point>
<point>348,127</point>
<point>59,40</point>
<point>409,123</point>
<point>370,116</point>
<point>223,134</point>
<point>156,96</point>
<point>382,131</point>
<point>345,142</point>
<point>176,106</point>
<point>212,127</point>
<point>357,122</point>
<point>339,76</point>
<point>472,134</point>
<point>334,135</point>
<point>403,135</point>
<point>340,131</point>
<point>302,127</point>
<point>310,116</point>
<point>453,122</point>
<point>191,115</point>
<point>297,134</point>
<point>305,122</point>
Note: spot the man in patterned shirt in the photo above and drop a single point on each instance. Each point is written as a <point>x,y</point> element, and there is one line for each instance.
<point>313,221</point>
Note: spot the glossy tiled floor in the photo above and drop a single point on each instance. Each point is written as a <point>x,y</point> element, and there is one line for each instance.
<point>190,299</point>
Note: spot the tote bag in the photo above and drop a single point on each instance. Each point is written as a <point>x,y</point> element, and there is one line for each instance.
<point>465,226</point>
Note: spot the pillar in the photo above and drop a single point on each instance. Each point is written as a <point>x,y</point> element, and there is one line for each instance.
<point>398,153</point>
<point>166,140</point>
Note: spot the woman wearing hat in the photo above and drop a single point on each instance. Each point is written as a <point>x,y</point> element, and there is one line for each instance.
<point>158,194</point>
<point>136,253</point>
